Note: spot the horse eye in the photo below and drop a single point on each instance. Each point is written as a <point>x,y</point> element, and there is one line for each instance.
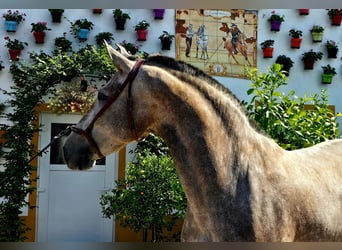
<point>101,96</point>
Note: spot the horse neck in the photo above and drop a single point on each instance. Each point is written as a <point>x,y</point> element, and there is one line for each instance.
<point>205,129</point>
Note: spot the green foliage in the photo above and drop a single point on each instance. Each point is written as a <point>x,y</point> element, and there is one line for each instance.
<point>34,79</point>
<point>284,117</point>
<point>151,196</point>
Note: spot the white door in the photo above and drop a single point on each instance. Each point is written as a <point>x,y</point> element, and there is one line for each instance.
<point>68,201</point>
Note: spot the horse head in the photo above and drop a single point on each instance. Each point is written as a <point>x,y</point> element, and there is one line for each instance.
<point>94,136</point>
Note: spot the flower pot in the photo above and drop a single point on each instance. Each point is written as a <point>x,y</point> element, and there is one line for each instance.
<point>56,17</point>
<point>336,20</point>
<point>317,37</point>
<point>304,12</point>
<point>97,11</point>
<point>332,52</point>
<point>39,36</point>
<point>11,26</point>
<point>275,25</point>
<point>120,23</point>
<point>296,42</point>
<point>166,44</point>
<point>268,52</point>
<point>308,63</point>
<point>14,54</point>
<point>159,13</point>
<point>327,78</point>
<point>83,34</point>
<point>142,35</point>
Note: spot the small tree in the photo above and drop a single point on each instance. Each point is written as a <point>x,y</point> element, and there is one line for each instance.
<point>151,196</point>
<point>284,117</point>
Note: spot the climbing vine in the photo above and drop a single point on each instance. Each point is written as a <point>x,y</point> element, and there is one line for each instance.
<point>34,79</point>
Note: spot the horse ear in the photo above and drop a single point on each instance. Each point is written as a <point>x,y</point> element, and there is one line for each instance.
<point>120,59</point>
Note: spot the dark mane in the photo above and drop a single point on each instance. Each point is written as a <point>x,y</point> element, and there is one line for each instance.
<point>181,66</point>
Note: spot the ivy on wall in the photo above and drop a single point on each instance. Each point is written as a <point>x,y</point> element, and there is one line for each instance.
<point>33,80</point>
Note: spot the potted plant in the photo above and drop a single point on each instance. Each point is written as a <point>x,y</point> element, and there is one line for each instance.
<point>296,39</point>
<point>166,40</point>
<point>304,12</point>
<point>335,16</point>
<point>12,19</point>
<point>56,15</point>
<point>317,33</point>
<point>80,29</point>
<point>275,21</point>
<point>328,74</point>
<point>63,44</point>
<point>14,47</point>
<point>38,30</point>
<point>130,47</point>
<point>141,29</point>
<point>286,63</point>
<point>70,98</point>
<point>267,48</point>
<point>120,18</point>
<point>332,48</point>
<point>159,13</point>
<point>104,36</point>
<point>310,57</point>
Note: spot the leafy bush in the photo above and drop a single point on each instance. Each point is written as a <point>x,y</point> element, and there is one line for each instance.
<point>151,196</point>
<point>284,116</point>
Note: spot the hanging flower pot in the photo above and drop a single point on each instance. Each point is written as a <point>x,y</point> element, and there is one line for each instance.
<point>332,52</point>
<point>159,13</point>
<point>166,40</point>
<point>335,16</point>
<point>268,52</point>
<point>120,23</point>
<point>275,21</point>
<point>304,12</point>
<point>120,19</point>
<point>142,35</point>
<point>327,78</point>
<point>310,57</point>
<point>308,63</point>
<point>286,63</point>
<point>14,54</point>
<point>56,15</point>
<point>83,34</point>
<point>11,26</point>
<point>39,36</point>
<point>275,25</point>
<point>97,11</point>
<point>328,74</point>
<point>317,33</point>
<point>296,42</point>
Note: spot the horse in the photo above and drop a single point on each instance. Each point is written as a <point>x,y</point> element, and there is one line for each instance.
<point>239,183</point>
<point>241,45</point>
<point>202,41</point>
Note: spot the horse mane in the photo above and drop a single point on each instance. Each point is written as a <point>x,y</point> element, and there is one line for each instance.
<point>169,63</point>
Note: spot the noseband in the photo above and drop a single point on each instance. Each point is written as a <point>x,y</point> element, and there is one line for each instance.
<point>86,133</point>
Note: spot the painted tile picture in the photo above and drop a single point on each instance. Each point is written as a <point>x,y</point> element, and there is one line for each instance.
<point>221,42</point>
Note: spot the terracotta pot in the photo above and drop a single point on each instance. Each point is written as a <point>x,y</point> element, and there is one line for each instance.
<point>39,36</point>
<point>304,12</point>
<point>308,63</point>
<point>336,20</point>
<point>296,42</point>
<point>142,35</point>
<point>97,11</point>
<point>268,52</point>
<point>14,54</point>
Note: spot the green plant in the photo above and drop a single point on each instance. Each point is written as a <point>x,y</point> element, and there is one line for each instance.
<point>295,33</point>
<point>317,29</point>
<point>63,44</point>
<point>130,47</point>
<point>285,62</point>
<point>80,24</point>
<point>103,36</point>
<point>142,25</point>
<point>39,26</point>
<point>14,16</point>
<point>315,56</point>
<point>329,70</point>
<point>276,17</point>
<point>330,44</point>
<point>119,14</point>
<point>151,196</point>
<point>15,44</point>
<point>166,36</point>
<point>284,116</point>
<point>267,44</point>
<point>333,12</point>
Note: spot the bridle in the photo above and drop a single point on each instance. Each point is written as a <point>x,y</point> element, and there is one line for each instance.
<point>86,133</point>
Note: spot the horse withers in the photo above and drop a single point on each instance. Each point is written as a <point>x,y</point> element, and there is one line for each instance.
<point>240,185</point>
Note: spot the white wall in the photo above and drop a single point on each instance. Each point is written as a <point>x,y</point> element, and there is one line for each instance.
<point>302,81</point>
